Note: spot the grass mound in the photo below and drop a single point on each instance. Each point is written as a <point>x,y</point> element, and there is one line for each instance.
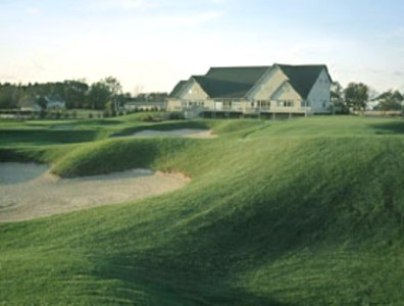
<point>305,212</point>
<point>115,155</point>
<point>44,137</point>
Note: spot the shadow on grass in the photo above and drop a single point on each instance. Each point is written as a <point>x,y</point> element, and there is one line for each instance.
<point>39,137</point>
<point>396,127</point>
<point>167,283</point>
<point>204,267</point>
<point>100,122</point>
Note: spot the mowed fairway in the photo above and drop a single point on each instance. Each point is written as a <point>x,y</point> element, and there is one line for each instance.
<point>300,212</point>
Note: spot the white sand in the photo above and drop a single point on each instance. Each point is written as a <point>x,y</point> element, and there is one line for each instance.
<point>187,133</point>
<point>29,191</point>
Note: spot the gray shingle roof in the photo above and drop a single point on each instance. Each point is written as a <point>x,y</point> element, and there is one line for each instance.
<point>236,82</point>
<point>177,89</point>
<point>230,82</point>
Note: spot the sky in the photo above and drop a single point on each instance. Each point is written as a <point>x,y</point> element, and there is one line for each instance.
<point>149,45</point>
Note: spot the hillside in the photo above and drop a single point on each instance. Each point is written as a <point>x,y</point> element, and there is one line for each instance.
<point>299,212</point>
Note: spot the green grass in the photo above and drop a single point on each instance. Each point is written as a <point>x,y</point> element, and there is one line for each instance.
<point>300,212</point>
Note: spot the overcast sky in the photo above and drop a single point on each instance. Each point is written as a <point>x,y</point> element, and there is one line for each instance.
<point>152,44</point>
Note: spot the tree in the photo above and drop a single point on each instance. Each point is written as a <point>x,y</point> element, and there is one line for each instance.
<point>115,89</point>
<point>113,84</point>
<point>356,95</point>
<point>109,110</point>
<point>75,93</point>
<point>98,95</point>
<point>390,100</point>
<point>41,101</point>
<point>104,91</point>
<point>9,96</point>
<point>337,99</point>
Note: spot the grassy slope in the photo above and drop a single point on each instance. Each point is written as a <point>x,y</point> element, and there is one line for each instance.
<point>304,212</point>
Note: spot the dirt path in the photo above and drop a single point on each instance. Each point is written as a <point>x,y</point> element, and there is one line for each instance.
<point>29,191</point>
<point>187,133</point>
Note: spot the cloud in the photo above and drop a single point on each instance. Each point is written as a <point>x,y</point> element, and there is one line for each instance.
<point>393,34</point>
<point>33,11</point>
<point>195,19</point>
<point>164,23</point>
<point>219,1</point>
<point>8,78</point>
<point>396,33</point>
<point>9,8</point>
<point>148,5</point>
<point>125,4</point>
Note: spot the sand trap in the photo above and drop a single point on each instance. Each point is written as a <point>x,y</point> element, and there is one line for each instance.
<point>28,191</point>
<point>187,133</point>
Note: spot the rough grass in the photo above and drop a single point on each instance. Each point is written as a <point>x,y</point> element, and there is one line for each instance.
<point>301,212</point>
<point>116,155</point>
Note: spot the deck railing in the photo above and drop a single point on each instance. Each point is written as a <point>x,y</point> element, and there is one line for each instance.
<point>248,110</point>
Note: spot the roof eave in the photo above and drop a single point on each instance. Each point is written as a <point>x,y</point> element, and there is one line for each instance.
<point>195,79</point>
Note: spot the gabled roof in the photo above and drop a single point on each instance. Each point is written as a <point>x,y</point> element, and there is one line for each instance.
<point>230,82</point>
<point>302,78</point>
<point>245,75</point>
<point>177,89</point>
<point>221,88</point>
<point>54,99</point>
<point>236,82</point>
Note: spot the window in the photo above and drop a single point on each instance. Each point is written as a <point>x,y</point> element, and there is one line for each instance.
<point>285,103</point>
<point>263,103</point>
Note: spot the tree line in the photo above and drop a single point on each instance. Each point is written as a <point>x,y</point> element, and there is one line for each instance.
<point>107,94</point>
<point>356,96</point>
<point>77,94</point>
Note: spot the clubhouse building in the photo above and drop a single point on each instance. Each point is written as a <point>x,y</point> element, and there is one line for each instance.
<point>276,89</point>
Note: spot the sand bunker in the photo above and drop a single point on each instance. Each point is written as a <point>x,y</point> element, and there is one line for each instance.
<point>187,133</point>
<point>28,191</point>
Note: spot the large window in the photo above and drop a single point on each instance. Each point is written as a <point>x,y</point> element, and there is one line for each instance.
<point>263,103</point>
<point>285,103</point>
<point>194,103</point>
<point>227,104</point>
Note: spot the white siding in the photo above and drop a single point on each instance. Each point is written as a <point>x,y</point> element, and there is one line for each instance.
<point>286,92</point>
<point>174,105</point>
<point>272,93</point>
<point>193,91</point>
<point>56,105</point>
<point>268,85</point>
<point>192,95</point>
<point>319,96</point>
<point>286,99</point>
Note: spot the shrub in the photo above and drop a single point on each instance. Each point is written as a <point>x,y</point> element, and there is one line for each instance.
<point>176,116</point>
